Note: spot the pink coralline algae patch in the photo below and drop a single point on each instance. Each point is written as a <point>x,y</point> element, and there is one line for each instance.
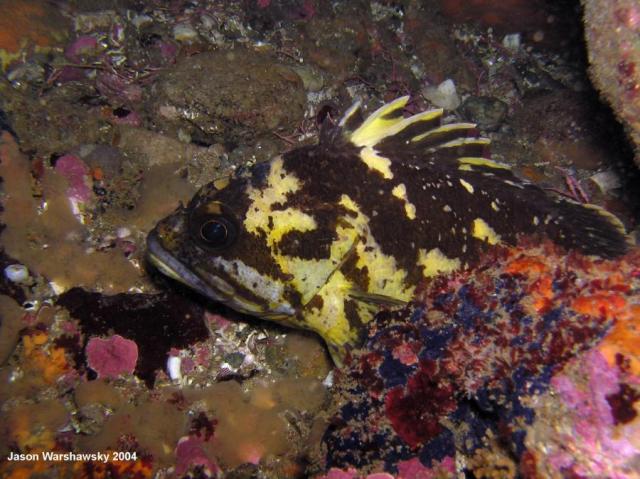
<point>190,453</point>
<point>112,357</point>
<point>411,469</point>
<point>77,174</point>
<point>81,46</point>
<point>335,473</point>
<point>589,440</point>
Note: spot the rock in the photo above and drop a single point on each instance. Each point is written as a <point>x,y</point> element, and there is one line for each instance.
<point>184,33</point>
<point>311,77</point>
<point>435,49</point>
<point>55,122</point>
<point>228,96</point>
<point>486,111</point>
<point>335,44</point>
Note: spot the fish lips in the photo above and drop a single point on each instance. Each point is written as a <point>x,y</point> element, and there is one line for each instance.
<point>171,267</point>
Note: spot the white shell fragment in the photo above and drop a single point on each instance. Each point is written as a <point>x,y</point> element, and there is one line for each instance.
<point>16,273</point>
<point>607,180</point>
<point>512,42</point>
<point>443,96</point>
<point>173,368</point>
<point>328,381</point>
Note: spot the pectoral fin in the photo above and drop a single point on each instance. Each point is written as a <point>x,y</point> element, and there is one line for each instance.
<point>376,299</point>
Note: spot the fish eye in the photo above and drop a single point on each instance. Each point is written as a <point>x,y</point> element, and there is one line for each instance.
<point>217,232</point>
<point>214,233</point>
<point>213,226</point>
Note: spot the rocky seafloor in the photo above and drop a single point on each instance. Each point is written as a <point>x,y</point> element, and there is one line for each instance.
<point>112,112</point>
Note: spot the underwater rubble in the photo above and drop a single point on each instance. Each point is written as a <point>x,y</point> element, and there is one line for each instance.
<point>112,113</point>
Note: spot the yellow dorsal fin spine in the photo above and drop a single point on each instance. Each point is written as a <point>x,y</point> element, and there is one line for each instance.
<point>462,142</point>
<point>472,161</point>
<point>387,131</point>
<point>441,130</point>
<point>377,125</point>
<point>350,113</point>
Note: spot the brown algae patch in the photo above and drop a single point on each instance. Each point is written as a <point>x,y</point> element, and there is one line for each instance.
<point>32,427</point>
<point>260,420</point>
<point>48,238</point>
<point>155,425</point>
<point>160,193</point>
<point>10,315</point>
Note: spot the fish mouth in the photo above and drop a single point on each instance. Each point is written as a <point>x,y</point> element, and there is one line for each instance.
<point>167,264</point>
<point>213,288</point>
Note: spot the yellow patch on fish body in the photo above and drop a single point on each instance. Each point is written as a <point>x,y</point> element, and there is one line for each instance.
<point>279,184</point>
<point>328,317</point>
<point>467,186</point>
<point>400,192</point>
<point>434,262</point>
<point>484,232</point>
<point>376,162</point>
<point>385,277</point>
<point>323,236</point>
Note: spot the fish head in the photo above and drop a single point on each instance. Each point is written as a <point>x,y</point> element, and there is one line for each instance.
<point>242,243</point>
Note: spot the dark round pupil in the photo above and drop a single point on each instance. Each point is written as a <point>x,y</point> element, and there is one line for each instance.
<point>214,232</point>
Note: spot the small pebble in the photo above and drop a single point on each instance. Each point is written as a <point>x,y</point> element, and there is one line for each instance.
<point>123,232</point>
<point>234,359</point>
<point>141,20</point>
<point>17,273</point>
<point>488,112</point>
<point>58,289</point>
<point>183,32</point>
<point>607,180</point>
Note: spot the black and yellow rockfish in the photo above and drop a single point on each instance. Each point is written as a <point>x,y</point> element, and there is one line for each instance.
<point>322,236</point>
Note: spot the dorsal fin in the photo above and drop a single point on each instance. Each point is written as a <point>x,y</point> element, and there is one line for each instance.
<point>387,136</point>
<point>387,130</point>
